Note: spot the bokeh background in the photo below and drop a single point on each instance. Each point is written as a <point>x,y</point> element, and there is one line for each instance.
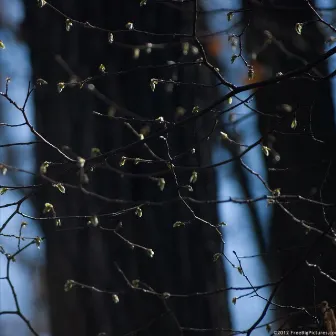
<point>240,235</point>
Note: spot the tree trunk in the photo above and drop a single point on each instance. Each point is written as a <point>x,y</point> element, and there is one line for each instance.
<point>300,156</point>
<point>182,261</point>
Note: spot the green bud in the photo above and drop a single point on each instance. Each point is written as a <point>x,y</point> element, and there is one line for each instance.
<point>233,58</point>
<point>193,177</point>
<point>60,87</point>
<point>195,109</point>
<point>161,183</point>
<point>229,16</point>
<point>216,256</point>
<point>68,285</point>
<point>102,68</point>
<point>266,150</point>
<point>178,224</point>
<point>68,24</point>
<point>298,28</point>
<point>150,253</point>
<point>48,207</point>
<point>153,83</point>
<point>138,212</point>
<point>115,298</point>
<point>95,152</point>
<point>122,161</point>
<point>110,38</point>
<point>129,26</point>
<point>44,166</point>
<point>3,191</point>
<point>60,187</point>
<point>41,81</point>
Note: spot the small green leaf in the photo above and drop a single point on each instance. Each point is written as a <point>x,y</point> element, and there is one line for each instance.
<point>250,72</point>
<point>110,37</point>
<point>193,177</point>
<point>3,170</point>
<point>41,81</point>
<point>266,150</point>
<point>185,48</point>
<point>38,240</point>
<point>122,161</point>
<point>95,152</point>
<point>94,221</point>
<point>102,68</point>
<point>68,285</point>
<point>80,162</point>
<point>150,253</point>
<point>233,58</point>
<point>143,3</point>
<point>44,166</point>
<point>60,87</point>
<point>153,83</point>
<point>229,16</point>
<point>3,191</point>
<point>276,192</point>
<point>178,224</point>
<point>135,283</point>
<point>170,165</point>
<point>298,28</point>
<point>234,300</point>
<point>68,24</point>
<point>294,123</point>
<point>240,270</point>
<point>138,212</point>
<point>2,45</point>
<point>48,207</point>
<point>224,136</point>
<point>216,256</point>
<point>129,26</point>
<point>136,53</point>
<point>149,47</point>
<point>115,298</point>
<point>189,188</point>
<point>161,183</point>
<point>195,109</point>
<point>60,187</point>
<point>268,328</point>
<point>58,222</point>
<point>41,3</point>
<point>230,101</point>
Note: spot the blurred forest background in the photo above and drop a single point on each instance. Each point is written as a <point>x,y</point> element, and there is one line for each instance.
<point>221,221</point>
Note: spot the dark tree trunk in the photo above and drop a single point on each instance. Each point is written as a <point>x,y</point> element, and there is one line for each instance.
<point>182,262</point>
<point>304,156</point>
